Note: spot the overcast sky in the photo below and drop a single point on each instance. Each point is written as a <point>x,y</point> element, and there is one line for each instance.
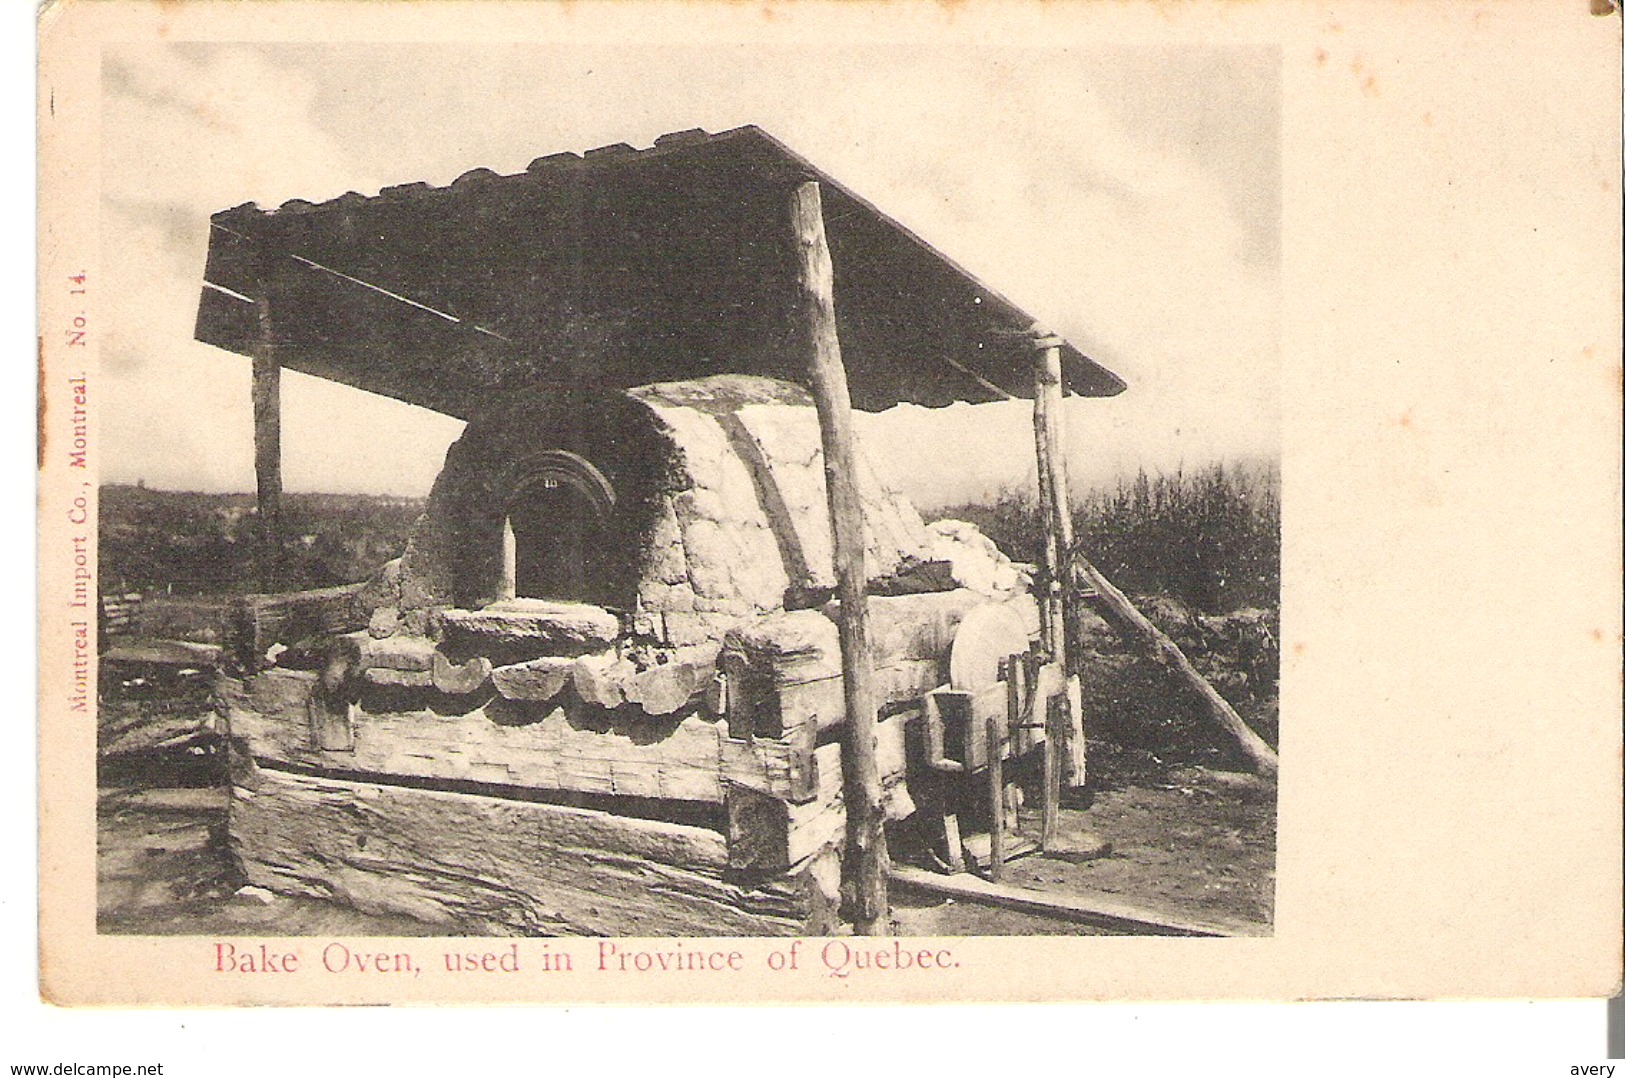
<point>1129,198</point>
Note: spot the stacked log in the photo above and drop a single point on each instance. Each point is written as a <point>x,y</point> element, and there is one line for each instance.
<point>621,738</point>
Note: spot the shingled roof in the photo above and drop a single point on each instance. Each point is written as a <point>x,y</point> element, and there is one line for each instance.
<point>616,268</point>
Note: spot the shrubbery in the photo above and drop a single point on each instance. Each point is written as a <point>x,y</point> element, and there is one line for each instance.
<point>204,544</point>
<point>1209,538</point>
<point>1200,553</point>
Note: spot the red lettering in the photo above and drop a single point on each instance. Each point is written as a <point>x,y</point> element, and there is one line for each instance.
<point>228,959</point>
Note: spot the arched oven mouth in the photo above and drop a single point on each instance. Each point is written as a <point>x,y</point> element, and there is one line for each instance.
<point>557,528</point>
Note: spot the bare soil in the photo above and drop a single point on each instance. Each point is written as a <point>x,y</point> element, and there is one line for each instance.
<point>1186,845</point>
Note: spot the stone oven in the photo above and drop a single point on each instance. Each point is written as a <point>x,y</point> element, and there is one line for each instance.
<point>681,506</point>
<point>612,624</point>
<point>665,654</point>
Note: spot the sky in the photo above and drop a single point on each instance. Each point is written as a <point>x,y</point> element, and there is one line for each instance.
<point>1127,197</point>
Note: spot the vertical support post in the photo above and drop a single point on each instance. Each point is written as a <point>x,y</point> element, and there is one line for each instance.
<point>1015,695</point>
<point>1055,504</point>
<point>866,863</point>
<point>1052,775</point>
<point>267,392</point>
<point>510,561</point>
<point>995,797</point>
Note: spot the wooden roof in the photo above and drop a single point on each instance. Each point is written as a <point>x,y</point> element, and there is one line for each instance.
<point>616,268</point>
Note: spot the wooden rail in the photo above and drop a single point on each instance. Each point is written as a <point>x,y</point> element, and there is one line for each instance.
<point>1090,910</point>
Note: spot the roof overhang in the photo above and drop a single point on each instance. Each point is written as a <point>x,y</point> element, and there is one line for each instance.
<point>617,268</point>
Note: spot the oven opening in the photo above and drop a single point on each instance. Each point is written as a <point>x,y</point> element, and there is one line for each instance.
<point>556,539</point>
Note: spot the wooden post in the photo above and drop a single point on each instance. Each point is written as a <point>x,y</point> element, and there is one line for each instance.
<point>1055,505</point>
<point>866,863</point>
<point>1015,694</point>
<point>1052,774</point>
<point>995,797</point>
<point>267,391</point>
<point>1137,628</point>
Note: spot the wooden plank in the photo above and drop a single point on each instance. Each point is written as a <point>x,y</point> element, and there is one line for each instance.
<point>935,734</point>
<point>1015,692</point>
<point>534,746</point>
<point>978,847</point>
<point>509,744</point>
<point>822,704</point>
<point>789,768</point>
<point>786,672</point>
<point>178,653</point>
<point>769,834</point>
<point>783,768</point>
<point>1051,807</point>
<point>484,865</point>
<point>956,848</point>
<point>965,716</point>
<point>866,857</point>
<point>1079,773</point>
<point>995,795</point>
<point>765,765</point>
<point>1087,909</point>
<point>253,623</point>
<point>266,393</point>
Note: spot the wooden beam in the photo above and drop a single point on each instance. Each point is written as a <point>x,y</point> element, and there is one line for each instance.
<point>523,746</point>
<point>995,729</point>
<point>1050,827</point>
<point>267,396</point>
<point>1095,911</point>
<point>478,865</point>
<point>770,834</point>
<point>254,622</point>
<point>866,858</point>
<point>1135,627</point>
<point>1056,508</point>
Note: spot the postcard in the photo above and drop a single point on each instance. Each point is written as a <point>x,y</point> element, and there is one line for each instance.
<point>670,503</point>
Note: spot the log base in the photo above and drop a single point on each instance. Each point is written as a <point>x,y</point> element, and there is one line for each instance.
<point>484,865</point>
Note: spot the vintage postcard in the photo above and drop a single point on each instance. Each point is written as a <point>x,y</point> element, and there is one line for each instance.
<point>682,502</point>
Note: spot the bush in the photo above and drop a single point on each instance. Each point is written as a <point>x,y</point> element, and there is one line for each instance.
<point>1200,554</point>
<point>194,544</point>
<point>1210,539</point>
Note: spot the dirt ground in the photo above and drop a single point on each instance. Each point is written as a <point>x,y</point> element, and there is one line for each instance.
<point>1186,843</point>
<point>1189,845</point>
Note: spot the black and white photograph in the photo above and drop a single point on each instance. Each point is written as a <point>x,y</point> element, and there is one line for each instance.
<point>633,515</point>
<point>759,505</point>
